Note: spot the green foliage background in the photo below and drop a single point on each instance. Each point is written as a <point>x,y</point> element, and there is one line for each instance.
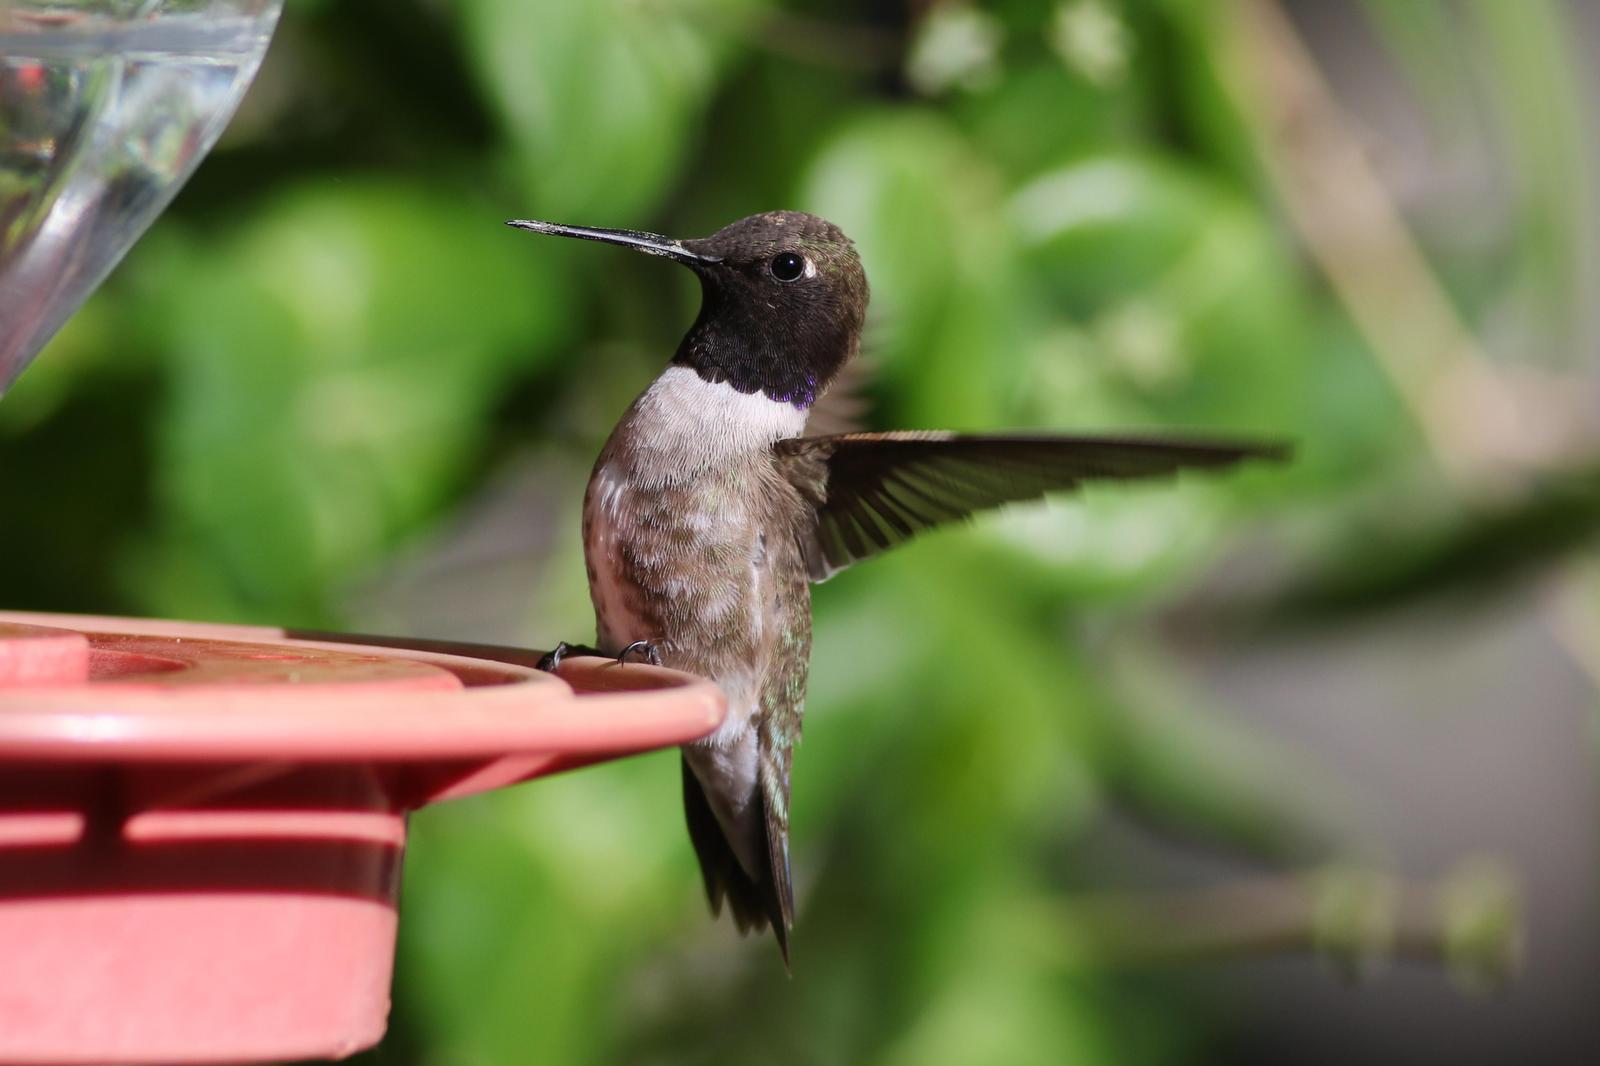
<point>309,374</point>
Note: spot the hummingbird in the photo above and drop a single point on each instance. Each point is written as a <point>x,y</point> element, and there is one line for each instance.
<point>710,513</point>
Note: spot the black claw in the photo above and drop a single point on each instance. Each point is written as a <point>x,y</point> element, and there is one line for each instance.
<point>644,647</point>
<point>552,660</point>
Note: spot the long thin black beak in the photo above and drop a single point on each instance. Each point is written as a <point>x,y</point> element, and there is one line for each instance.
<point>650,243</point>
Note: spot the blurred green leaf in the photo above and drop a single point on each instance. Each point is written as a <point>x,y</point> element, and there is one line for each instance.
<point>600,99</point>
<point>334,361</point>
<point>1184,289</point>
<point>925,210</point>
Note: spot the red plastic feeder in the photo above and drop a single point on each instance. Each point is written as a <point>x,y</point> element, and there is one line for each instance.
<point>201,826</point>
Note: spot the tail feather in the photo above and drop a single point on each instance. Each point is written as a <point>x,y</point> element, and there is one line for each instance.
<point>756,903</point>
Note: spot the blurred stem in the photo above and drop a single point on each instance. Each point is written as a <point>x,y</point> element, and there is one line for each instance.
<point>1479,421</point>
<point>1470,920</point>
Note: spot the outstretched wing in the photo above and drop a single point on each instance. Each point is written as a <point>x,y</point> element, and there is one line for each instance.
<point>872,491</point>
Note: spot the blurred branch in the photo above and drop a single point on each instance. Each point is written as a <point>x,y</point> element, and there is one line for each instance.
<point>1480,420</point>
<point>1470,921</point>
<point>1497,544</point>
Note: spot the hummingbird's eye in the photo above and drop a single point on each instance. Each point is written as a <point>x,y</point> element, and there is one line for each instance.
<point>786,266</point>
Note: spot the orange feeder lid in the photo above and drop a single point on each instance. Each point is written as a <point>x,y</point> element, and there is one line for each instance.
<point>201,826</point>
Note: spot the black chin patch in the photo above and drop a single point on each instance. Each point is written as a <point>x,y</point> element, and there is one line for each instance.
<point>798,390</point>
<point>758,335</point>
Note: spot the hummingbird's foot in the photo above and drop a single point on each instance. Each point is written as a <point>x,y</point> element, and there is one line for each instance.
<point>552,660</point>
<point>646,650</point>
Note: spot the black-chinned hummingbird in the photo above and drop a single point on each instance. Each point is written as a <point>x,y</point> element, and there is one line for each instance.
<point>710,512</point>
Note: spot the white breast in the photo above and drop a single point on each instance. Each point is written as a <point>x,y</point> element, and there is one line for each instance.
<point>684,426</point>
<point>681,431</point>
